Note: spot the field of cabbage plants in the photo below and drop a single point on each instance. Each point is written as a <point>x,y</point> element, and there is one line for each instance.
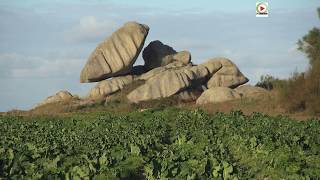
<point>159,144</point>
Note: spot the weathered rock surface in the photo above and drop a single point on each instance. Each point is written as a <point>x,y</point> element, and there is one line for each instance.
<point>157,54</point>
<point>217,94</point>
<point>109,86</point>
<point>182,56</point>
<point>248,91</point>
<point>116,55</point>
<point>169,82</point>
<point>59,96</point>
<point>228,76</point>
<point>158,70</point>
<point>212,65</point>
<point>189,94</point>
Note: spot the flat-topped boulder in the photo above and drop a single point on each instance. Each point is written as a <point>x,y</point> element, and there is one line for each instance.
<point>156,71</point>
<point>170,82</point>
<point>249,91</point>
<point>116,55</point>
<point>217,94</point>
<point>110,86</point>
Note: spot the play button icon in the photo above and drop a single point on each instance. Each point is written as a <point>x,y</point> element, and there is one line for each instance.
<point>261,9</point>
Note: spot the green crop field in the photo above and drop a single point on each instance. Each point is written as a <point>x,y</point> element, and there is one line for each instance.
<point>159,144</point>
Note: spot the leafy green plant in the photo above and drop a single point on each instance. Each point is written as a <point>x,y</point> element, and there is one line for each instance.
<point>159,144</point>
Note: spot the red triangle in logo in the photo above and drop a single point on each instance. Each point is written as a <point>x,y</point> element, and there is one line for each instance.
<point>261,8</point>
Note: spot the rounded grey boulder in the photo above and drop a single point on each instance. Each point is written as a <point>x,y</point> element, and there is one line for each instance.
<point>116,55</point>
<point>59,96</point>
<point>228,76</point>
<point>217,94</point>
<point>249,91</point>
<point>109,86</point>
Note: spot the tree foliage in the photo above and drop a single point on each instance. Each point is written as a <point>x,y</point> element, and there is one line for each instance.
<point>301,92</point>
<point>310,45</point>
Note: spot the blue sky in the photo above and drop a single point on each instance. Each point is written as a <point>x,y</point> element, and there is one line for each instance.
<point>44,44</point>
<point>202,5</point>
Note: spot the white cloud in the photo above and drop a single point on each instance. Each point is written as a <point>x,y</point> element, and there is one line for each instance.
<point>90,29</point>
<point>27,80</point>
<point>20,66</point>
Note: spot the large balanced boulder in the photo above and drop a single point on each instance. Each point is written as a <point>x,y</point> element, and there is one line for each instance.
<point>157,54</point>
<point>228,76</point>
<point>169,82</point>
<point>110,86</point>
<point>249,91</point>
<point>116,55</point>
<point>217,94</point>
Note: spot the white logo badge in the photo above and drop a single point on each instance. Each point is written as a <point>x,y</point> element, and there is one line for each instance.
<point>262,9</point>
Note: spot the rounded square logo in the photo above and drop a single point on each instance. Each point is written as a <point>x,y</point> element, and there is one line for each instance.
<point>262,9</point>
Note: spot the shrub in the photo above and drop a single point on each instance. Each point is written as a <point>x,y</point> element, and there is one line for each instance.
<point>269,82</point>
<point>292,95</point>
